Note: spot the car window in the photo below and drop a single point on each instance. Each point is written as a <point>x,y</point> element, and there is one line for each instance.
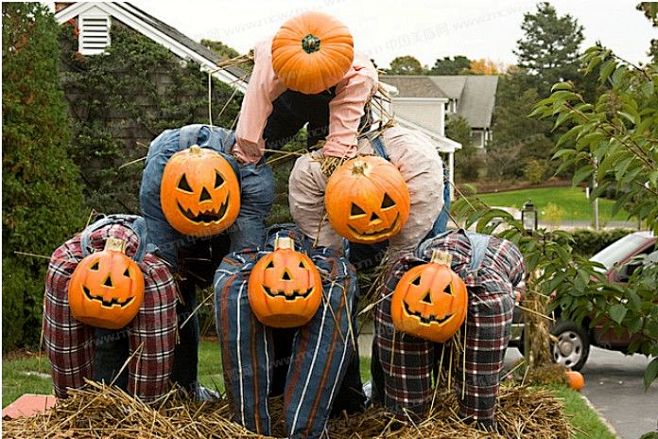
<point>620,250</point>
<point>644,256</point>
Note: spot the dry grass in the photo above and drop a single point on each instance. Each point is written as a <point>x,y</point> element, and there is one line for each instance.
<point>100,411</point>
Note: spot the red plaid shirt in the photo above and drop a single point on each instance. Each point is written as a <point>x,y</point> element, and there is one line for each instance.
<point>70,344</point>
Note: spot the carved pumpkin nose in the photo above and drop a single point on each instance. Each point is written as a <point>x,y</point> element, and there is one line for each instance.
<point>286,275</point>
<point>427,299</point>
<point>108,282</point>
<point>205,195</point>
<point>375,218</point>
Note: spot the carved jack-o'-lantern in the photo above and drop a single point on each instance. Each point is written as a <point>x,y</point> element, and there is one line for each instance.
<point>199,193</point>
<point>430,300</point>
<point>285,289</point>
<point>106,289</point>
<point>367,200</point>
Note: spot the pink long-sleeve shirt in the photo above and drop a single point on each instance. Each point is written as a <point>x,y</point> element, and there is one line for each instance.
<point>345,109</point>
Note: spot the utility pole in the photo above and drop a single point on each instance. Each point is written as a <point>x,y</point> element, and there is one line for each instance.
<point>596,200</point>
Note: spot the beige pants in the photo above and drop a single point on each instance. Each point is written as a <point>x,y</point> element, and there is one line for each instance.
<point>416,159</point>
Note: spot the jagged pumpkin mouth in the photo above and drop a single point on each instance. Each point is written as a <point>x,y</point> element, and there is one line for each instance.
<point>426,320</point>
<point>206,216</point>
<point>377,233</point>
<point>106,303</point>
<point>296,294</point>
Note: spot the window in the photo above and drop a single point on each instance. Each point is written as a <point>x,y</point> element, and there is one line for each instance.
<point>94,34</point>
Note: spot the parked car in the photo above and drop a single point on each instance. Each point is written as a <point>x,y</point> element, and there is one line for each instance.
<point>574,340</point>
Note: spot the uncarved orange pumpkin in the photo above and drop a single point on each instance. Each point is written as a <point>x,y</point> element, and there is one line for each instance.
<point>106,289</point>
<point>312,52</point>
<point>430,300</point>
<point>576,380</point>
<point>285,288</point>
<point>367,200</point>
<point>199,192</point>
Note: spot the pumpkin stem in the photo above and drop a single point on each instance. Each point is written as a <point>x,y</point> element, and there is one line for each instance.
<point>359,167</point>
<point>310,43</point>
<point>283,243</point>
<point>115,244</point>
<point>195,149</point>
<point>441,257</point>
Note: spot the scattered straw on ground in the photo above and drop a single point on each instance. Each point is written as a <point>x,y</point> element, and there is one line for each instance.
<point>102,412</point>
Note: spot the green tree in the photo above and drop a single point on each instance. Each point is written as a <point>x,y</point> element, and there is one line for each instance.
<point>468,161</point>
<point>650,10</point>
<point>223,50</point>
<point>518,138</point>
<point>406,65</point>
<point>613,139</point>
<point>549,49</point>
<point>459,65</point>
<point>42,196</point>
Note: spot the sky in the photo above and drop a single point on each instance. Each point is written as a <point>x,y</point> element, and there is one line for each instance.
<point>425,29</point>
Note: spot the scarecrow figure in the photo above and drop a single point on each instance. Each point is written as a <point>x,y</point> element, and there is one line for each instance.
<point>253,287</point>
<point>307,73</point>
<point>491,269</point>
<point>190,198</point>
<point>107,277</point>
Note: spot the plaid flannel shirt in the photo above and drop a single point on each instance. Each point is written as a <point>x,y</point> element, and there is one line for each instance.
<point>70,344</point>
<point>408,362</point>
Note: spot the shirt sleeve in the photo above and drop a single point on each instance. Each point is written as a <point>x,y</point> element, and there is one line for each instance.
<point>263,89</point>
<point>347,107</point>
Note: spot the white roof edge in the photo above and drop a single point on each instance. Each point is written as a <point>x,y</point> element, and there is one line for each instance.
<point>159,37</point>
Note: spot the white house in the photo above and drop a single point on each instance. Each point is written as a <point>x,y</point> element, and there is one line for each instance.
<point>470,96</point>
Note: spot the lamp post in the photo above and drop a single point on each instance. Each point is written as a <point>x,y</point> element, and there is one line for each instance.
<point>529,216</point>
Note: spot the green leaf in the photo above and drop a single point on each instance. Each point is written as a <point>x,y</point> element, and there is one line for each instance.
<point>582,174</point>
<point>562,86</point>
<point>651,373</point>
<point>606,69</point>
<point>617,313</point>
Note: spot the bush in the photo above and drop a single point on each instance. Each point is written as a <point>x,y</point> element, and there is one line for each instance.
<point>535,171</point>
<point>42,195</point>
<point>589,242</point>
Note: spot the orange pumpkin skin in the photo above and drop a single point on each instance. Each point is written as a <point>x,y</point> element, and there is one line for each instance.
<point>576,380</point>
<point>312,52</point>
<point>285,288</point>
<point>199,192</point>
<point>106,289</point>
<point>430,302</point>
<point>367,200</point>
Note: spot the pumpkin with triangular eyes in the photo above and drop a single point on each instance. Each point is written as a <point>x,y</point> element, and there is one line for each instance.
<point>285,288</point>
<point>199,192</point>
<point>430,300</point>
<point>367,200</point>
<point>106,289</point>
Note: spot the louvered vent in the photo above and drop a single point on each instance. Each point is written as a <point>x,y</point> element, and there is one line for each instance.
<point>94,34</point>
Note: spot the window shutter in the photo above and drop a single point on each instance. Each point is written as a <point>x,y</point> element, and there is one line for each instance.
<point>94,34</point>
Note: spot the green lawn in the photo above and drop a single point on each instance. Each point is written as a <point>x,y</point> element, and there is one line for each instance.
<point>30,374</point>
<point>570,199</point>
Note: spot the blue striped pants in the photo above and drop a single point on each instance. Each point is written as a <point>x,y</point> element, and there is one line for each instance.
<point>321,350</point>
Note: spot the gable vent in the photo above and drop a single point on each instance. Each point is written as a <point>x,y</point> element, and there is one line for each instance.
<point>94,34</point>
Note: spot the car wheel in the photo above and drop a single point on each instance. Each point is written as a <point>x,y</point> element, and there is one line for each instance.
<point>572,346</point>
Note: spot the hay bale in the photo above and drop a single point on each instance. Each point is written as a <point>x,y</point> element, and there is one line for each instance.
<point>101,411</point>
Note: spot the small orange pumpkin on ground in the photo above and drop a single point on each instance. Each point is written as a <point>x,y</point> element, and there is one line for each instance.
<point>199,192</point>
<point>576,380</point>
<point>312,52</point>
<point>367,200</point>
<point>285,288</point>
<point>106,289</point>
<point>430,300</point>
